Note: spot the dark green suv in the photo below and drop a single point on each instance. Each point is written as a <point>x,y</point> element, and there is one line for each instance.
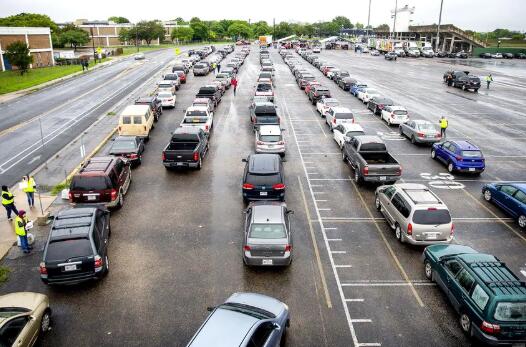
<point>490,299</point>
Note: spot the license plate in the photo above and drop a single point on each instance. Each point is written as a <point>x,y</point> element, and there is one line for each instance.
<point>471,169</point>
<point>267,262</point>
<point>179,164</point>
<point>263,193</point>
<point>383,178</point>
<point>195,120</point>
<point>70,267</point>
<point>91,197</point>
<point>431,236</point>
<point>270,146</point>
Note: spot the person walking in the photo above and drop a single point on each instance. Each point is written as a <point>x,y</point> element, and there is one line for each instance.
<point>449,79</point>
<point>82,64</point>
<point>234,84</point>
<point>20,230</point>
<point>8,201</point>
<point>489,79</point>
<point>218,67</point>
<point>28,186</point>
<point>214,66</point>
<point>443,126</point>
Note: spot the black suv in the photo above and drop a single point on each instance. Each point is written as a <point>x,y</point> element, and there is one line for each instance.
<point>155,105</point>
<point>77,246</point>
<point>263,178</point>
<point>318,92</point>
<point>467,82</point>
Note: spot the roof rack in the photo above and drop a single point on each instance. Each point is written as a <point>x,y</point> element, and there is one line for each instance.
<point>408,191</point>
<point>499,277</point>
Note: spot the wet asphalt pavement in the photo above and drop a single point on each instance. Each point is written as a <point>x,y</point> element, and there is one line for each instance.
<point>176,244</point>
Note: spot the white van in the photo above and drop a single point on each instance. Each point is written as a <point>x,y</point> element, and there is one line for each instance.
<point>136,120</point>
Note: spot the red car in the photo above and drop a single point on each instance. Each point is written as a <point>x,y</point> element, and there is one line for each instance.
<point>310,84</point>
<point>182,76</point>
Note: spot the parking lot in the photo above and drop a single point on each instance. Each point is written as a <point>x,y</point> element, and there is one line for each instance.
<point>176,243</point>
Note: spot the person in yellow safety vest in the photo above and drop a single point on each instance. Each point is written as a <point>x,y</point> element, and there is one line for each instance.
<point>8,201</point>
<point>28,186</point>
<point>443,126</point>
<point>489,79</point>
<point>20,230</point>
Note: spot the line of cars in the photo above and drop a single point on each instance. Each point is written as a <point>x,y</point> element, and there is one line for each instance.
<point>489,298</point>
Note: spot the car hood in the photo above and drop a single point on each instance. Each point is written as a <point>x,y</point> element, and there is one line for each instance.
<point>27,300</point>
<point>258,300</point>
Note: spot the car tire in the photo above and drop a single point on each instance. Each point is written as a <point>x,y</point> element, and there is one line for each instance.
<point>283,340</point>
<point>465,323</point>
<point>357,176</point>
<point>398,233</point>
<point>428,270</point>
<point>344,157</point>
<point>377,203</point>
<point>45,322</point>
<point>413,140</point>
<point>107,266</point>
<point>450,167</point>
<point>487,195</point>
<point>463,87</point>
<point>476,90</point>
<point>199,164</point>
<point>522,221</point>
<point>433,154</point>
<point>120,203</point>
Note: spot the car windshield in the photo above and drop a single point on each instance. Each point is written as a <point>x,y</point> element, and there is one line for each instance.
<point>199,66</point>
<point>62,250</point>
<point>354,133</point>
<point>165,86</point>
<point>270,138</point>
<point>431,216</point>
<point>471,154</point>
<point>265,75</point>
<point>190,120</point>
<point>123,144</point>
<point>372,91</point>
<point>426,126</point>
<point>171,77</point>
<point>90,183</point>
<point>196,113</point>
<point>344,116</point>
<point>267,231</point>
<point>264,87</point>
<point>332,103</point>
<point>511,311</point>
<point>221,75</point>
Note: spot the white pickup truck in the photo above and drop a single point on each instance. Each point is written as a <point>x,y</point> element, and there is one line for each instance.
<point>198,116</point>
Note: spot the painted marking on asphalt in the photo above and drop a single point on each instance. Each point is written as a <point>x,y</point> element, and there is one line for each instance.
<point>318,200</point>
<point>325,209</point>
<point>354,300</point>
<point>330,179</point>
<point>313,173</point>
<point>315,185</point>
<point>388,284</point>
<point>318,192</point>
<point>334,240</point>
<point>362,321</point>
<point>369,344</point>
<point>34,159</point>
<point>331,228</point>
<point>322,153</point>
<point>338,252</point>
<point>343,266</point>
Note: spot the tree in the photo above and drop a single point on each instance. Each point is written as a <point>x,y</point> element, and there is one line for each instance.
<point>217,29</point>
<point>359,25</point>
<point>200,29</point>
<point>309,30</point>
<point>149,31</point>
<point>517,36</point>
<point>283,29</point>
<point>383,27</point>
<point>261,28</point>
<point>182,34</point>
<point>239,30</point>
<point>343,22</point>
<point>126,35</point>
<point>73,36</point>
<point>28,20</point>
<point>116,19</point>
<point>18,55</point>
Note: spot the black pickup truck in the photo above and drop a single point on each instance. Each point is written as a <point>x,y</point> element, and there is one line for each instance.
<point>210,92</point>
<point>263,113</point>
<point>370,160</point>
<point>187,148</point>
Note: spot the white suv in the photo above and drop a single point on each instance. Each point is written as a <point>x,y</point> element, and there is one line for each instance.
<point>338,115</point>
<point>269,139</point>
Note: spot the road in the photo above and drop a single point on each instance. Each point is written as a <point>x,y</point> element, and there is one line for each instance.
<point>176,244</point>
<point>64,110</point>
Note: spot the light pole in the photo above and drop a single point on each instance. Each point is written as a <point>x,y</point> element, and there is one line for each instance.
<point>369,15</point>
<point>136,37</point>
<point>438,26</point>
<point>394,20</point>
<point>93,45</point>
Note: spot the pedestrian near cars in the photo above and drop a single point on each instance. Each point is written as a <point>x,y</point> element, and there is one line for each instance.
<point>20,230</point>
<point>234,84</point>
<point>218,67</point>
<point>8,201</point>
<point>489,79</point>
<point>449,79</point>
<point>443,126</point>
<point>28,185</point>
<point>214,66</point>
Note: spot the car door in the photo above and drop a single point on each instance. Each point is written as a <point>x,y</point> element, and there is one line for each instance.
<point>339,134</point>
<point>18,331</point>
<point>101,227</point>
<point>386,202</point>
<point>441,151</point>
<point>328,117</point>
<point>504,198</point>
<point>459,289</point>
<point>120,174</point>
<point>265,335</point>
<point>446,272</point>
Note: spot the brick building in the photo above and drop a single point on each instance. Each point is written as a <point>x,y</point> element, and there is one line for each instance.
<point>38,40</point>
<point>104,33</point>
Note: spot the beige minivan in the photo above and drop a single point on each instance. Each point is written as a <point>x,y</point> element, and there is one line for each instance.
<point>136,120</point>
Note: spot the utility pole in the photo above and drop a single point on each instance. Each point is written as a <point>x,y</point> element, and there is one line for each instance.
<point>438,26</point>
<point>93,45</point>
<point>369,15</point>
<point>394,21</point>
<point>273,28</point>
<point>136,37</point>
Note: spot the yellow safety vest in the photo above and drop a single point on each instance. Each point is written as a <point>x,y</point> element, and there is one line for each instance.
<point>20,230</point>
<point>30,186</point>
<point>443,123</point>
<point>9,200</point>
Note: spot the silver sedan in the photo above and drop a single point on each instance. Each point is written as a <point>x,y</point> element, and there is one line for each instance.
<point>420,131</point>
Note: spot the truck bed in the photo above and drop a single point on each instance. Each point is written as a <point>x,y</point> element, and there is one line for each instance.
<point>378,158</point>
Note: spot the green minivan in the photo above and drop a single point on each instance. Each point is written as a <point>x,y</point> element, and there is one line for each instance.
<point>489,297</point>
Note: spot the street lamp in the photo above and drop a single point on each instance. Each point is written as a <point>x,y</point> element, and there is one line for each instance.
<point>93,45</point>
<point>136,37</point>
<point>438,26</point>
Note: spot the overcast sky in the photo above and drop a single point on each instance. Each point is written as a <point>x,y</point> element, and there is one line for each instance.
<point>479,15</point>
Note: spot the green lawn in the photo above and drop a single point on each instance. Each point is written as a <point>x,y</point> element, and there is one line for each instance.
<point>11,81</point>
<point>507,43</point>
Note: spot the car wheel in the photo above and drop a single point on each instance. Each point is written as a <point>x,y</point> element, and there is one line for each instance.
<point>487,195</point>
<point>465,323</point>
<point>463,87</point>
<point>428,270</point>
<point>401,131</point>
<point>107,262</point>
<point>476,90</point>
<point>450,167</point>
<point>413,140</point>
<point>283,340</point>
<point>398,233</point>
<point>357,177</point>
<point>199,164</point>
<point>522,221</point>
<point>344,157</point>
<point>433,154</point>
<point>377,203</point>
<point>45,323</point>
<point>120,203</point>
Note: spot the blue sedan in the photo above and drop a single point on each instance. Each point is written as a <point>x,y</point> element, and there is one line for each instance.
<point>459,156</point>
<point>511,197</point>
<point>357,87</point>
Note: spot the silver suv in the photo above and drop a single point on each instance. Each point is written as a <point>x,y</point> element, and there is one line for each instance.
<point>415,213</point>
<point>270,140</point>
<point>268,239</point>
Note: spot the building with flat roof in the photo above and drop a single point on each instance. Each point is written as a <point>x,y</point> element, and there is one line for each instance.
<point>38,40</point>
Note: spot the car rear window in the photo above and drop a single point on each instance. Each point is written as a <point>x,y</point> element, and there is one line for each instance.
<point>431,217</point>
<point>262,180</point>
<point>264,87</point>
<point>344,116</point>
<point>90,183</point>
<point>511,311</point>
<point>267,231</point>
<point>194,120</point>
<point>65,249</point>
<point>471,154</point>
<point>270,138</point>
<point>165,96</point>
<point>126,120</point>
<point>400,112</point>
<point>267,118</point>
<point>195,114</point>
<point>119,145</point>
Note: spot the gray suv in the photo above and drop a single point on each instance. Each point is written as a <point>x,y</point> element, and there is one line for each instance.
<point>415,213</point>
<point>268,239</point>
<point>245,320</point>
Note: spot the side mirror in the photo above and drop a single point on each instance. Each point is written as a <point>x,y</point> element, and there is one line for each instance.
<point>276,326</point>
<point>210,308</point>
<point>290,211</point>
<point>244,160</point>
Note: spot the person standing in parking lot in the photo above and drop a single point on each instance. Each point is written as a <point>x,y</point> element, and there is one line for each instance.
<point>8,201</point>
<point>443,126</point>
<point>234,84</point>
<point>489,79</point>
<point>20,230</point>
<point>28,186</point>
<point>218,67</point>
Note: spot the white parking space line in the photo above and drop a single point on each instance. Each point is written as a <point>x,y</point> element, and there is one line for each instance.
<point>338,252</point>
<point>322,153</point>
<point>318,200</point>
<point>354,300</point>
<point>343,266</point>
<point>334,228</point>
<point>330,179</point>
<point>369,344</point>
<point>315,185</point>
<point>387,284</point>
<point>318,192</point>
<point>362,321</point>
<point>325,209</point>
<point>334,240</point>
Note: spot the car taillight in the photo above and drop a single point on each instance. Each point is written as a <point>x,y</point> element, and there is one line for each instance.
<point>206,127</point>
<point>248,186</point>
<point>490,328</point>
<point>410,229</point>
<point>281,142</point>
<point>392,115</point>
<point>113,194</point>
<point>420,134</point>
<point>133,156</point>
<point>145,128</point>
<point>70,196</point>
<point>381,107</point>
<point>98,263</point>
<point>334,121</point>
<point>399,171</point>
<point>164,156</point>
<point>246,248</point>
<point>43,269</point>
<point>452,229</point>
<point>278,186</point>
<point>438,135</point>
<point>196,156</point>
<point>458,157</point>
<point>119,128</point>
<point>259,142</point>
<point>365,170</point>
<point>288,248</point>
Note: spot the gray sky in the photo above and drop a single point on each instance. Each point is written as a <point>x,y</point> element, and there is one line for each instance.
<point>480,15</point>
